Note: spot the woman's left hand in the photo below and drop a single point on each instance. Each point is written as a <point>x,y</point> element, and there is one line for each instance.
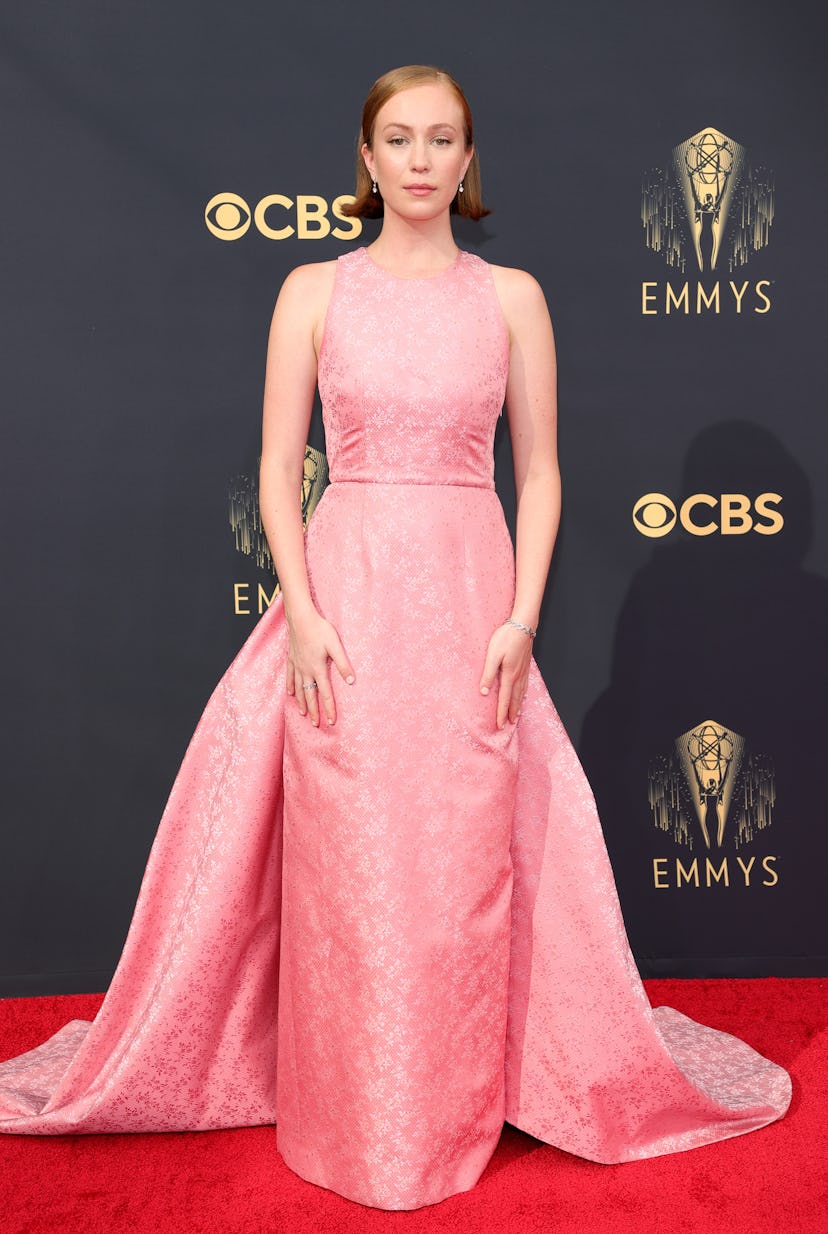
<point>510,651</point>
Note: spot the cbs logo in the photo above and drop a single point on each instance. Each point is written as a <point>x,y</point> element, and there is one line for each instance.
<point>228,217</point>
<point>731,514</point>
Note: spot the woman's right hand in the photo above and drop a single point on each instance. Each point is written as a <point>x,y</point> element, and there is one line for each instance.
<point>313,642</point>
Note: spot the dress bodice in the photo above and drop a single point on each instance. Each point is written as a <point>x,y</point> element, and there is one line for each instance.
<point>412,373</point>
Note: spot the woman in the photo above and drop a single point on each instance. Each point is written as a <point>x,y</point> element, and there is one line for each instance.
<point>379,910</point>
<point>416,170</point>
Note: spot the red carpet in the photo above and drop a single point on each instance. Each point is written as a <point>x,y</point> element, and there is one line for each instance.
<point>234,1182</point>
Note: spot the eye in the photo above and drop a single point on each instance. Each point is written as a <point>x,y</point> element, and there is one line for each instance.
<point>442,141</point>
<point>397,140</point>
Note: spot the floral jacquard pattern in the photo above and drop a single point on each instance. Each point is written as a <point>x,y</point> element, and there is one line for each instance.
<point>388,935</point>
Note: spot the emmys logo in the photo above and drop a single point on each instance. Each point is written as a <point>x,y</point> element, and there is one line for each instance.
<point>709,788</point>
<point>711,211</point>
<point>246,524</point>
<point>228,217</point>
<point>732,514</point>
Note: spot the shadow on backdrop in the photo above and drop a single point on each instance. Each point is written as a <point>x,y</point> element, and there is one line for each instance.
<point>729,629</point>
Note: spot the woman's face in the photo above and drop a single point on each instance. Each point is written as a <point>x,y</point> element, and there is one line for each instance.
<point>418,155</point>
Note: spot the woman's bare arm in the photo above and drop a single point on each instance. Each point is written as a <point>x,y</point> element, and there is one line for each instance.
<point>532,409</point>
<point>290,383</point>
<point>531,406</point>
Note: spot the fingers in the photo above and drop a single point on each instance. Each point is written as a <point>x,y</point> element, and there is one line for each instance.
<point>321,699</point>
<point>504,692</point>
<point>516,698</point>
<point>489,671</point>
<point>512,683</point>
<point>324,695</point>
<point>305,687</point>
<point>504,696</point>
<point>308,704</point>
<point>510,698</point>
<point>314,644</point>
<point>318,698</point>
<point>340,659</point>
<point>326,698</point>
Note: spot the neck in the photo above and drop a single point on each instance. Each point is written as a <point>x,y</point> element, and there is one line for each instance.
<point>420,247</point>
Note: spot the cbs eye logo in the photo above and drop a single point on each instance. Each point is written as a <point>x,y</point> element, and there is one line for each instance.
<point>732,514</point>
<point>228,217</point>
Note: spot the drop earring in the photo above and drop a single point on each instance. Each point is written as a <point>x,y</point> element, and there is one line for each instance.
<point>373,186</point>
<point>460,190</point>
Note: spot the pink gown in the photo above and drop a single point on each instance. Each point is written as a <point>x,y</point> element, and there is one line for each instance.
<point>390,935</point>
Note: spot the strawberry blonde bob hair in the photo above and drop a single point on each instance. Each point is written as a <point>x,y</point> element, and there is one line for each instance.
<point>368,204</point>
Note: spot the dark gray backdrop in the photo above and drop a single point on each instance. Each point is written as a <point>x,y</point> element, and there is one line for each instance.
<point>134,344</point>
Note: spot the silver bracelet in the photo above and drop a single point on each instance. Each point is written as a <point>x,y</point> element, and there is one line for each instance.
<point>510,621</point>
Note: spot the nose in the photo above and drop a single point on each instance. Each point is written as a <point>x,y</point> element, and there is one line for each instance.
<point>419,154</point>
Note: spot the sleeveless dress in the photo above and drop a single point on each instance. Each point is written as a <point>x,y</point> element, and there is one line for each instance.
<point>390,935</point>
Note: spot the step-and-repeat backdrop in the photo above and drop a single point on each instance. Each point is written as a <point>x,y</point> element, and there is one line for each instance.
<point>661,175</point>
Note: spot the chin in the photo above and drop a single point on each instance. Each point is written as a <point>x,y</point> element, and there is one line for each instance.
<point>421,207</point>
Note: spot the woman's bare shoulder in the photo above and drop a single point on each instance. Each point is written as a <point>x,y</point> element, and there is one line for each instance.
<point>304,295</point>
<point>521,297</point>
<point>518,285</point>
<point>314,278</point>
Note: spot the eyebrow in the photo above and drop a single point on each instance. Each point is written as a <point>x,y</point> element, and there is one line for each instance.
<point>408,129</point>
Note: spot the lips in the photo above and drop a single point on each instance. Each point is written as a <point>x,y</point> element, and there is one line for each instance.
<point>420,190</point>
